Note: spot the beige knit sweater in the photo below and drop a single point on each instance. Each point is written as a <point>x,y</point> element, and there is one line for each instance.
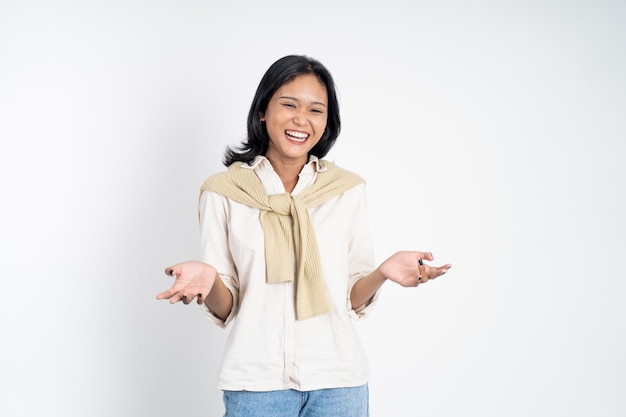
<point>287,227</point>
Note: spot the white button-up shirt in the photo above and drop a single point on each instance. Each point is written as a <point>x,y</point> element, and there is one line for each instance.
<point>267,348</point>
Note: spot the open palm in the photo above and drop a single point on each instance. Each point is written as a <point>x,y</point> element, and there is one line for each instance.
<point>193,279</point>
<point>404,268</point>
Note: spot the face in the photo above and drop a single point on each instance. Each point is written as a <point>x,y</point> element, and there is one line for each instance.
<point>295,120</point>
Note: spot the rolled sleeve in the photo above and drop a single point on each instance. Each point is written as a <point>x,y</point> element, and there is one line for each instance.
<point>214,250</point>
<point>361,254</point>
<point>231,284</point>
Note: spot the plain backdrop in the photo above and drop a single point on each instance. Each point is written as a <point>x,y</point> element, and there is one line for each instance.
<point>491,133</point>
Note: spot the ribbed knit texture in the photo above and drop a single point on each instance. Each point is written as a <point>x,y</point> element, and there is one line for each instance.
<point>287,227</point>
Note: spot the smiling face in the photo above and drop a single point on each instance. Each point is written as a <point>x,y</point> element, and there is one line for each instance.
<point>295,119</point>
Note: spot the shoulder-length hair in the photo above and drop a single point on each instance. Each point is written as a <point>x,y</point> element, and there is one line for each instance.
<point>279,73</point>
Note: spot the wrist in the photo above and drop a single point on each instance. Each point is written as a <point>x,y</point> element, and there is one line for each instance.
<point>379,275</point>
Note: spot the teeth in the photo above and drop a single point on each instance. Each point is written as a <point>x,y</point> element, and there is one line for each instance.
<point>299,136</point>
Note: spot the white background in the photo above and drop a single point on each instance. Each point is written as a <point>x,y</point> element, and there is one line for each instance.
<point>491,133</point>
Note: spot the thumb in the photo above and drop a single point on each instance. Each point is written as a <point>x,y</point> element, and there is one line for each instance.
<point>427,256</point>
<point>173,271</point>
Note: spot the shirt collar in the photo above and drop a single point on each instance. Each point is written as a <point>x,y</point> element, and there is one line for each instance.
<point>313,164</point>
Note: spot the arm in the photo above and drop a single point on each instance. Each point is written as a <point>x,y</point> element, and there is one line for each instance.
<point>403,268</point>
<point>365,288</point>
<point>201,279</point>
<point>219,300</point>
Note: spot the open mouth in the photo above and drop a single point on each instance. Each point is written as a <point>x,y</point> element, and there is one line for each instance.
<point>296,136</point>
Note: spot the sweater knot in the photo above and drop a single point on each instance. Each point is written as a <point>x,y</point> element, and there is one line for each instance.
<point>280,204</point>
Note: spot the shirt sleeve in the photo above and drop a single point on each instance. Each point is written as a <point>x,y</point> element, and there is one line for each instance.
<point>361,253</point>
<point>214,250</point>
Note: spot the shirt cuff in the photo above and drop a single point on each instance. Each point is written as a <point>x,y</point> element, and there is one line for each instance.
<point>229,282</point>
<point>364,310</point>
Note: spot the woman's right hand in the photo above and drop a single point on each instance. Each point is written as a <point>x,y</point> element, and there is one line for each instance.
<point>194,279</point>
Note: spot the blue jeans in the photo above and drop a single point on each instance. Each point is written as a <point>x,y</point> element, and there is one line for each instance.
<point>332,402</point>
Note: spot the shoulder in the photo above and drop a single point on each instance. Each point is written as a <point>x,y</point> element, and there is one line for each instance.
<point>335,171</point>
<point>222,177</point>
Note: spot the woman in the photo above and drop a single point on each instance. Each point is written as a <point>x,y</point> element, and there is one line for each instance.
<point>288,257</point>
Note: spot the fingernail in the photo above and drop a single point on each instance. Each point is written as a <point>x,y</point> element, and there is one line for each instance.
<point>420,262</point>
<point>170,272</point>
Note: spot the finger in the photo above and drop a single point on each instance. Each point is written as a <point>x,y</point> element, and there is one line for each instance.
<point>172,271</point>
<point>425,256</point>
<point>200,298</point>
<point>167,294</point>
<point>182,296</point>
<point>439,271</point>
<point>443,269</point>
<point>186,299</point>
<point>163,295</point>
<point>423,273</point>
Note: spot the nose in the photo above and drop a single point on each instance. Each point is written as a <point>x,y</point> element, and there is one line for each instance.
<point>300,117</point>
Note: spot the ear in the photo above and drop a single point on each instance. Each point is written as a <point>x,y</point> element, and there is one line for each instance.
<point>261,117</point>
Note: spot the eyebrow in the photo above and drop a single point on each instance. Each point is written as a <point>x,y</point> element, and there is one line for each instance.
<point>319,103</point>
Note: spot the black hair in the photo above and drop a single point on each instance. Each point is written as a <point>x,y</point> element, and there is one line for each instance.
<point>278,74</point>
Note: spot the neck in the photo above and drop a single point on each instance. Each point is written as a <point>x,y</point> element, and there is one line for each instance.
<point>288,171</point>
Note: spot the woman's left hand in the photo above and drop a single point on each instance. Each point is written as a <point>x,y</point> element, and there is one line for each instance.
<point>408,269</point>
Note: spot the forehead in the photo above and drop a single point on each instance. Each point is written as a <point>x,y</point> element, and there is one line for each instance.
<point>305,85</point>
